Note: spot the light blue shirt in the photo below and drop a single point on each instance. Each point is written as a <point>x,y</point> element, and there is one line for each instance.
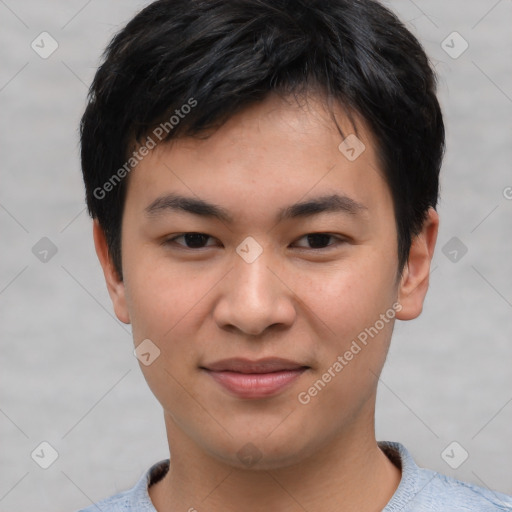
<point>420,490</point>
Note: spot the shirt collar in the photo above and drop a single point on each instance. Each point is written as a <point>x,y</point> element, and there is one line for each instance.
<point>410,484</point>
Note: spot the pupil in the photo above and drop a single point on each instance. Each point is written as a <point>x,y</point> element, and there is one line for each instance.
<point>195,240</point>
<point>321,236</point>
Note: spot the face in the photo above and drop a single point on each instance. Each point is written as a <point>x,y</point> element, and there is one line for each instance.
<point>256,278</point>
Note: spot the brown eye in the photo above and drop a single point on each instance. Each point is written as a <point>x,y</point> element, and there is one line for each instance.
<point>192,240</point>
<point>320,240</point>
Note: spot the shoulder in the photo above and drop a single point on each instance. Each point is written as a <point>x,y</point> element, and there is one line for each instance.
<point>449,492</point>
<point>121,502</point>
<point>136,499</point>
<point>424,490</point>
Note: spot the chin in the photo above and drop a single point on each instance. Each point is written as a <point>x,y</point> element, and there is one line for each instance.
<point>263,454</point>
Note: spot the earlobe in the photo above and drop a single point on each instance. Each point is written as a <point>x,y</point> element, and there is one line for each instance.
<point>115,285</point>
<point>415,278</point>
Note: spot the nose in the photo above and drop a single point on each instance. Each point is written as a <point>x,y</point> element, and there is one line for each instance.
<point>254,297</point>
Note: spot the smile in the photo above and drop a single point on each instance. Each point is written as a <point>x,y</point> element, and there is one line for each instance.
<point>245,378</point>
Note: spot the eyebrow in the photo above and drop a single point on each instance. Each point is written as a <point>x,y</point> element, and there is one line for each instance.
<point>333,203</point>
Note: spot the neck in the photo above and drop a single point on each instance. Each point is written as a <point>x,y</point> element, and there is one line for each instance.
<point>350,473</point>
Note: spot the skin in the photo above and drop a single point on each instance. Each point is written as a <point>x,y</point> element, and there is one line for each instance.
<point>294,301</point>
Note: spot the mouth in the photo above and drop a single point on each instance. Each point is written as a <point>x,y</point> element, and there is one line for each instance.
<point>245,378</point>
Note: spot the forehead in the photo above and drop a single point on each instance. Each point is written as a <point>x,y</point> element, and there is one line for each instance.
<point>272,154</point>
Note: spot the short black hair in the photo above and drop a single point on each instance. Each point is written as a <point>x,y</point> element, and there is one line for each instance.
<point>217,57</point>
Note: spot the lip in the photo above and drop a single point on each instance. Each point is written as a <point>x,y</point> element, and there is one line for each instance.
<point>245,378</point>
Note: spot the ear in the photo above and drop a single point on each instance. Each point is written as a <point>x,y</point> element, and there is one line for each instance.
<point>415,278</point>
<point>115,285</point>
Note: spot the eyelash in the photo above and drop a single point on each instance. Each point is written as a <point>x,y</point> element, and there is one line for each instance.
<point>171,241</point>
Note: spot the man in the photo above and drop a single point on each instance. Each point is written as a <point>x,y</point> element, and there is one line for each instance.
<point>263,177</point>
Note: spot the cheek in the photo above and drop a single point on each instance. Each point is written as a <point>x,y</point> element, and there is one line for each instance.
<point>352,295</point>
<point>163,305</point>
<point>169,305</point>
<point>159,294</point>
<point>350,301</point>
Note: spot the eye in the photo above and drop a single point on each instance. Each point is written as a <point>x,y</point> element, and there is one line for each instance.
<point>192,240</point>
<point>320,239</point>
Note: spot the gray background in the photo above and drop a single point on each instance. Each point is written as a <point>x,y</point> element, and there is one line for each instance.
<point>68,375</point>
